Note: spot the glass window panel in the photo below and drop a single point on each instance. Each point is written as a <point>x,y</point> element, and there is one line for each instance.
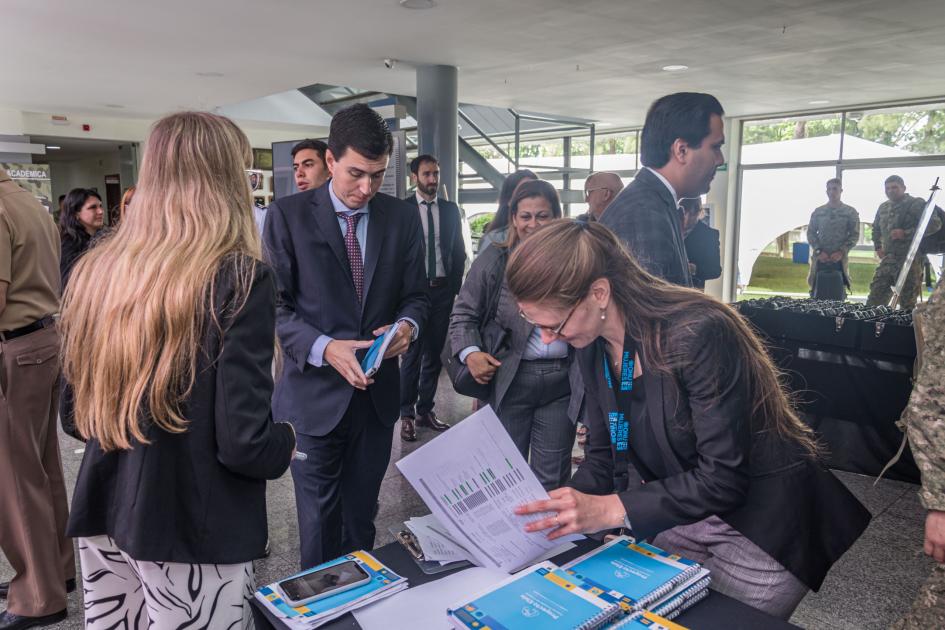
<point>768,213</point>
<point>796,139</point>
<point>895,132</point>
<point>621,143</point>
<point>547,153</point>
<point>865,190</point>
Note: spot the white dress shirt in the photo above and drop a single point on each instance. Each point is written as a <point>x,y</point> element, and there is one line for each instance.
<point>435,208</point>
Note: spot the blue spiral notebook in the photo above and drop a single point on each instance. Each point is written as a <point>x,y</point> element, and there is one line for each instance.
<point>631,574</point>
<point>542,596</point>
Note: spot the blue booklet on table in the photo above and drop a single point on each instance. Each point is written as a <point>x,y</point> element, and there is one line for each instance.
<point>542,596</point>
<point>631,574</point>
<point>383,582</point>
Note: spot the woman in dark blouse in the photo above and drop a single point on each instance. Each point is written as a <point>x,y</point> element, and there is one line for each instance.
<point>83,215</point>
<point>679,389</point>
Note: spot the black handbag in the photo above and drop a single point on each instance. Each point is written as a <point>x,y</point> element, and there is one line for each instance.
<point>493,341</point>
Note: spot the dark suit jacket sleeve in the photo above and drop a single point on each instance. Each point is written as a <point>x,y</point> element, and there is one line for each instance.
<point>715,386</point>
<point>458,253</point>
<point>295,334</point>
<point>248,442</point>
<point>471,304</point>
<point>708,257</point>
<point>647,232</point>
<point>596,474</point>
<point>414,289</point>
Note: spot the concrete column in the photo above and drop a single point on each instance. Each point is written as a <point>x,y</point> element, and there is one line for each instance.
<point>438,121</point>
<point>128,164</point>
<point>722,198</point>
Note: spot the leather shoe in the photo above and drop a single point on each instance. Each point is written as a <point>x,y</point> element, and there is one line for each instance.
<point>10,621</point>
<point>408,429</point>
<point>430,421</point>
<point>5,587</point>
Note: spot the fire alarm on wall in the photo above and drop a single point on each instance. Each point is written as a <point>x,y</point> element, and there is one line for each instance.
<point>86,127</point>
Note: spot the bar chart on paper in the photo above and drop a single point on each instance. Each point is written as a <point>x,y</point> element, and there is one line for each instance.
<point>473,491</point>
<point>472,477</point>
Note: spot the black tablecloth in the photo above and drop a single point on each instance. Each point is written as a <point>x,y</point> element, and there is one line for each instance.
<point>715,611</point>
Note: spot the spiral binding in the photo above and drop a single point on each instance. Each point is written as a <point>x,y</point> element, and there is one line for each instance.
<point>600,619</point>
<point>682,601</point>
<point>666,588</point>
<point>686,605</point>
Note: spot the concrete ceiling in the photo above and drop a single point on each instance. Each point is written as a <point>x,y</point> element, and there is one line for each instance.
<point>596,59</point>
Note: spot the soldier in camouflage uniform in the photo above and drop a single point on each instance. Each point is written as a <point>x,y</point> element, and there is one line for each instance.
<point>893,229</point>
<point>924,421</point>
<point>833,230</point>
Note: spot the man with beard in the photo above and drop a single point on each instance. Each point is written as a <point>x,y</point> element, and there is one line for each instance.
<point>681,149</point>
<point>445,259</point>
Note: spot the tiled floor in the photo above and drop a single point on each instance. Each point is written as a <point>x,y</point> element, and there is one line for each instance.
<point>868,588</point>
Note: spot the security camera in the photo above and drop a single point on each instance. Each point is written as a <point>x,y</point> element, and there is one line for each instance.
<point>389,63</point>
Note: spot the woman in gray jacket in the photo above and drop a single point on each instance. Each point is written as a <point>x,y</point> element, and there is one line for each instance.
<point>532,382</point>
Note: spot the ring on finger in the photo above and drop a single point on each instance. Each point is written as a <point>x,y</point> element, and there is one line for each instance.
<point>557,524</point>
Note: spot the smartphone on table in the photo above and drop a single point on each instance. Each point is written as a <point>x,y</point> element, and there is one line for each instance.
<point>303,589</point>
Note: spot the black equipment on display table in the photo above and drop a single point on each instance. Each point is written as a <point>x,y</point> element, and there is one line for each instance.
<point>715,611</point>
<point>850,368</point>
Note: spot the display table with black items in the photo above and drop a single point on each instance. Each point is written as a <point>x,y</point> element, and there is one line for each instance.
<point>716,611</point>
<point>850,368</point>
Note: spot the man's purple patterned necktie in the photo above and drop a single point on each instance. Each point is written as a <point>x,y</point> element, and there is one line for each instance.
<point>354,252</point>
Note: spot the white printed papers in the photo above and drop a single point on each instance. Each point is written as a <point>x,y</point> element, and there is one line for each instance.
<point>436,544</point>
<point>472,477</point>
<point>424,607</point>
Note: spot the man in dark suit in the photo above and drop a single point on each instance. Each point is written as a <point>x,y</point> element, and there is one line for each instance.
<point>445,257</point>
<point>702,244</point>
<point>681,149</point>
<point>349,263</point>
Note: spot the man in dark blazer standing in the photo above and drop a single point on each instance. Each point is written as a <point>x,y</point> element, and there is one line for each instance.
<point>681,148</point>
<point>349,263</point>
<point>702,244</point>
<point>445,261</point>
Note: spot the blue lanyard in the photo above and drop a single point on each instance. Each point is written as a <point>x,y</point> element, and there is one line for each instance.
<point>618,418</point>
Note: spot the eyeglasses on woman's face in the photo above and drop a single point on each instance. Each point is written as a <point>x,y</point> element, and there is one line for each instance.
<point>552,330</point>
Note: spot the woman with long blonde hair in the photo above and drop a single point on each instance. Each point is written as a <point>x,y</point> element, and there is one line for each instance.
<point>680,390</point>
<point>168,330</point>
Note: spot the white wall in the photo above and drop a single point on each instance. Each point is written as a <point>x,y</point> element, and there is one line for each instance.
<point>86,173</point>
<point>260,135</point>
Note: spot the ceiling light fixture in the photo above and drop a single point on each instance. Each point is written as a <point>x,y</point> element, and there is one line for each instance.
<point>418,4</point>
<point>210,74</point>
<point>820,101</point>
<point>676,67</point>
<point>114,106</point>
<point>52,147</point>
